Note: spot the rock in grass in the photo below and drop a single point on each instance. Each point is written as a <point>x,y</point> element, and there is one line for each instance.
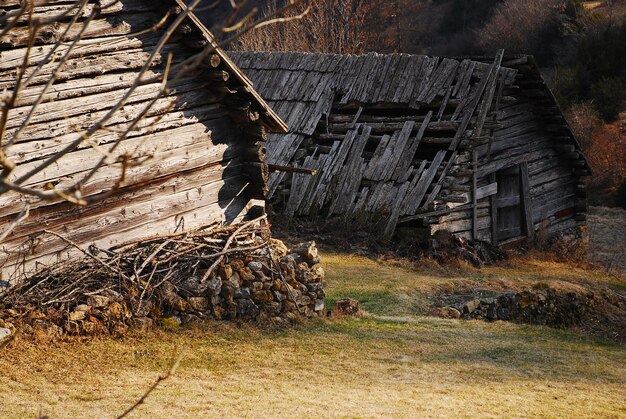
<point>447,313</point>
<point>171,322</point>
<point>4,333</point>
<point>346,307</point>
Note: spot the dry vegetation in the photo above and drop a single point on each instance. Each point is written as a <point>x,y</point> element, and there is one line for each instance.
<point>388,363</point>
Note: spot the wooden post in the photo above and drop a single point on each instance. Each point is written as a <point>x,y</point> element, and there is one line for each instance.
<point>494,212</point>
<point>474,198</point>
<point>526,201</point>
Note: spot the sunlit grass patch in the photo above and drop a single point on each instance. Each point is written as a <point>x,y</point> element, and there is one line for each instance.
<point>390,362</point>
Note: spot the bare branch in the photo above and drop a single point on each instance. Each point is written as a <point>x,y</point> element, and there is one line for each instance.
<point>153,387</point>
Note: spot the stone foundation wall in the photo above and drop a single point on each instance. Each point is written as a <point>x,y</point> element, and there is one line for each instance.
<point>270,284</point>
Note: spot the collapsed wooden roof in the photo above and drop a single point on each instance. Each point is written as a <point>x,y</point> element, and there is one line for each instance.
<point>388,134</point>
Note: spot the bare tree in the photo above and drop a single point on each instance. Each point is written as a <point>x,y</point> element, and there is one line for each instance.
<point>332,26</point>
<point>44,36</point>
<point>523,26</point>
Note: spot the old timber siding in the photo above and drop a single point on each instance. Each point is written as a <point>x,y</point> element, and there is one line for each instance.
<point>381,130</point>
<point>438,142</point>
<point>194,159</point>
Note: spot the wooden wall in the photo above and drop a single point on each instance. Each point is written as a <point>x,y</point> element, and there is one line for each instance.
<point>195,160</point>
<point>532,137</point>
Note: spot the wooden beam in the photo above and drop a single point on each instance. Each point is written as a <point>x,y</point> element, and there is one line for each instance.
<point>494,212</point>
<point>474,195</point>
<point>291,169</point>
<point>526,200</point>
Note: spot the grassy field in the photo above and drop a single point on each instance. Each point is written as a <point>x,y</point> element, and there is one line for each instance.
<point>391,362</point>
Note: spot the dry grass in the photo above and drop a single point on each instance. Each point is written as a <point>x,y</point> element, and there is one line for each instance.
<point>391,363</point>
<point>398,287</point>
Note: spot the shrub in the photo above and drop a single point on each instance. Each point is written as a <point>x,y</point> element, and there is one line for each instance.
<point>608,95</point>
<point>333,26</point>
<point>605,149</point>
<point>620,198</point>
<point>528,27</point>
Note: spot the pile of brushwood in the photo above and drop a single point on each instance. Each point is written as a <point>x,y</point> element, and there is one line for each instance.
<point>445,246</point>
<point>232,273</point>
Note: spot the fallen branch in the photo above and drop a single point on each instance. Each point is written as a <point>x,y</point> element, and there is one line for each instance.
<point>153,387</point>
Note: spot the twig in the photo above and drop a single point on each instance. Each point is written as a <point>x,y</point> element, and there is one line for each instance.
<point>97,259</point>
<point>227,245</point>
<point>20,217</point>
<point>153,387</point>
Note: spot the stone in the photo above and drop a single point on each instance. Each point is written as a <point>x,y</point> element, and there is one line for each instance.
<point>288,306</point>
<point>114,296</point>
<point>228,292</point>
<point>308,250</point>
<point>83,307</point>
<point>260,276</point>
<point>216,300</point>
<point>80,312</point>
<point>305,300</point>
<point>179,304</point>
<point>346,307</point>
<point>272,309</point>
<point>198,303</point>
<point>243,292</point>
<point>278,296</point>
<point>4,333</point>
<point>256,286</point>
<point>98,301</point>
<point>115,310</point>
<point>290,315</point>
<point>471,306</point>
<point>247,309</point>
<point>314,286</point>
<point>225,271</point>
<point>218,312</point>
<point>452,313</point>
<point>237,264</point>
<point>318,273</point>
<point>302,272</point>
<point>234,281</point>
<point>319,305</point>
<point>255,266</point>
<point>262,296</point>
<point>246,274</point>
<point>214,286</point>
<point>287,260</point>
<point>278,247</point>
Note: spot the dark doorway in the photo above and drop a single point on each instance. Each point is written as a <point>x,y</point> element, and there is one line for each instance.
<point>511,215</point>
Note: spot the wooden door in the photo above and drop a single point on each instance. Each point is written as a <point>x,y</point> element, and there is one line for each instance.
<point>509,204</point>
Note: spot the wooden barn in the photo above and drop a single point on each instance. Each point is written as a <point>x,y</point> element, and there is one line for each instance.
<point>477,147</point>
<point>194,158</point>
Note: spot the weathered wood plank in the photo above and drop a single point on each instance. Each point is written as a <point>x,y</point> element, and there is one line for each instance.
<point>527,203</point>
<point>487,190</point>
